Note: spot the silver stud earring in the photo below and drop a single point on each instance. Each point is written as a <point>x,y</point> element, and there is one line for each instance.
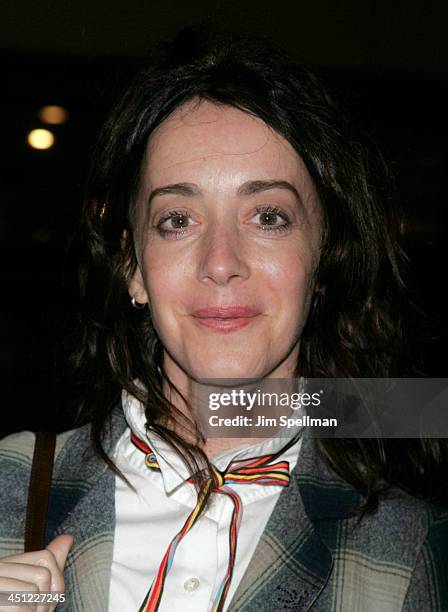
<point>136,304</point>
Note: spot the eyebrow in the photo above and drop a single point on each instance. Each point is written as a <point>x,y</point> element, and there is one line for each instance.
<point>183,189</point>
<point>253,187</point>
<point>247,189</point>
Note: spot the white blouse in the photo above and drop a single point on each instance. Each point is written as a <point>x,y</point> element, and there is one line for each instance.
<point>147,521</point>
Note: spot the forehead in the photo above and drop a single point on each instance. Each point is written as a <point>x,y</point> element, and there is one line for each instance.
<point>203,140</point>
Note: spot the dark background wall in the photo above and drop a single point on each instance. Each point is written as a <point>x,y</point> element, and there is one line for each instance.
<point>389,60</point>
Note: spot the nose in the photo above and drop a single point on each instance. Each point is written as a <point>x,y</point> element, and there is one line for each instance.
<point>223,256</point>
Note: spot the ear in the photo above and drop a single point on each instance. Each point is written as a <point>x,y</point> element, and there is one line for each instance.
<point>136,286</point>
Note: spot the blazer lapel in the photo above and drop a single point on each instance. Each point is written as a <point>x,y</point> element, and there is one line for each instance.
<point>292,562</point>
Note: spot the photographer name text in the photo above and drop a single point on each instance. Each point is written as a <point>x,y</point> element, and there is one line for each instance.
<point>264,421</point>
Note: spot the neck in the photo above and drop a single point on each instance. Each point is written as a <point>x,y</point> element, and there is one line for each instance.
<point>214,446</point>
<point>211,446</point>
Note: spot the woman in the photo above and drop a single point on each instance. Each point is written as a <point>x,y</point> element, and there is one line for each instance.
<point>232,230</point>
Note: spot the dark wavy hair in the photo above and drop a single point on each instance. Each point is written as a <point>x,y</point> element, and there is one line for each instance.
<point>355,326</point>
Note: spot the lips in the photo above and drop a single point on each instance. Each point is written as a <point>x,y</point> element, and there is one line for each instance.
<point>229,312</point>
<point>224,320</point>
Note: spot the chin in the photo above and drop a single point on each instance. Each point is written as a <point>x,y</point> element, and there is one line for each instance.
<point>232,370</point>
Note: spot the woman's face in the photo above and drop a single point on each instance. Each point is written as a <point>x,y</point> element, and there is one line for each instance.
<point>227,231</point>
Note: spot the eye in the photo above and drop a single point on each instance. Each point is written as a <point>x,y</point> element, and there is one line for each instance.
<point>174,223</point>
<point>272,219</point>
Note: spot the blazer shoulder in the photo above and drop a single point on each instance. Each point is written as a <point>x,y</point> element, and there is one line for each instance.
<point>17,449</point>
<point>405,520</point>
<point>418,508</point>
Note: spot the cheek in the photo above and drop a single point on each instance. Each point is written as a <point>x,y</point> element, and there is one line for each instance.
<point>164,276</point>
<point>167,284</point>
<point>290,279</point>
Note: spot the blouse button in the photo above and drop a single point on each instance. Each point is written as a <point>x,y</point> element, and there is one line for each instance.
<point>191,585</point>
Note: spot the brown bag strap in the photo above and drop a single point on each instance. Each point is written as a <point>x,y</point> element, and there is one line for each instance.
<point>39,491</point>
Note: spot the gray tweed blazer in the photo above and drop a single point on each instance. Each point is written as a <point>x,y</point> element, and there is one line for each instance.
<point>313,554</point>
